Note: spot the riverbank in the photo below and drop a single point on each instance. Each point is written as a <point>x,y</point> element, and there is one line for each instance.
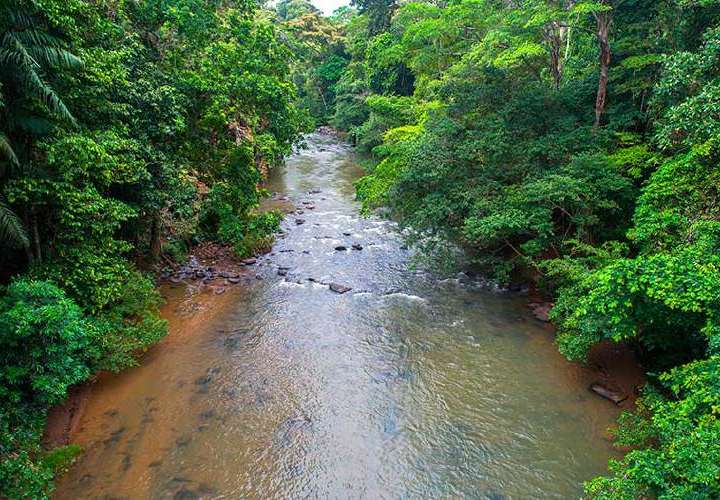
<point>193,293</point>
<point>405,384</point>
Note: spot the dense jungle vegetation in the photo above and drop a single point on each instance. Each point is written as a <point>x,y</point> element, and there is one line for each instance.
<point>128,130</point>
<point>570,143</point>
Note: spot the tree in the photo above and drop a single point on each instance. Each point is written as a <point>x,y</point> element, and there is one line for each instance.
<point>27,102</point>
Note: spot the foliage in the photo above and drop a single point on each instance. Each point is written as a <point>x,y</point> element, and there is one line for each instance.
<point>683,434</point>
<point>22,473</point>
<point>374,189</point>
<point>47,344</point>
<point>126,131</point>
<point>573,143</point>
<point>319,55</point>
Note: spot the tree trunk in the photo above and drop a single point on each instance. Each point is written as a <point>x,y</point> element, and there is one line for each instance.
<point>556,62</point>
<point>155,237</point>
<point>28,248</point>
<point>36,234</point>
<point>604,19</point>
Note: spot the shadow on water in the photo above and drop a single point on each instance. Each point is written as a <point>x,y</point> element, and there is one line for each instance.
<point>404,386</point>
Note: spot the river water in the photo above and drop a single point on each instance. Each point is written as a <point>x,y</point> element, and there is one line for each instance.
<point>407,386</point>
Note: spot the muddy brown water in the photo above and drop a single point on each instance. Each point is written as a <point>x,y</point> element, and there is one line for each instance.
<point>408,386</point>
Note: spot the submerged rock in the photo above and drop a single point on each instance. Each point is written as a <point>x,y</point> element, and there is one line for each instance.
<point>290,429</point>
<point>299,221</point>
<point>185,494</point>
<point>541,311</point>
<point>357,246</point>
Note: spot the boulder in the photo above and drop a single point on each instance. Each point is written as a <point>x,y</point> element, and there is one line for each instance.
<point>338,288</point>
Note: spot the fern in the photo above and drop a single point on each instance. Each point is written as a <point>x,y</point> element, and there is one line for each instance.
<point>12,232</point>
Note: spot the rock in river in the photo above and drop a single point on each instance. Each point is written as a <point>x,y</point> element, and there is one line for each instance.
<point>338,288</point>
<point>541,311</point>
<point>340,248</point>
<point>614,396</point>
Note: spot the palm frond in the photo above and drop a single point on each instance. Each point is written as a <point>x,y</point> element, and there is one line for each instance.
<point>7,150</point>
<point>12,232</point>
<point>18,18</point>
<point>14,52</point>
<point>55,57</point>
<point>34,36</point>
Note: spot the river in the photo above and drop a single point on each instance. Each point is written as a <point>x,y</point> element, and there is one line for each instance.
<point>407,386</point>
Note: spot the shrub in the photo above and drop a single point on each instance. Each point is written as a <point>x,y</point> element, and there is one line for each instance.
<point>46,344</point>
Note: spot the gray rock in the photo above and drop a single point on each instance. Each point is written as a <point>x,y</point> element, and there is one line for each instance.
<point>338,288</point>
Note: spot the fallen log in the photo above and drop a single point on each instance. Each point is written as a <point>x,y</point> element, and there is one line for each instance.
<point>609,394</point>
